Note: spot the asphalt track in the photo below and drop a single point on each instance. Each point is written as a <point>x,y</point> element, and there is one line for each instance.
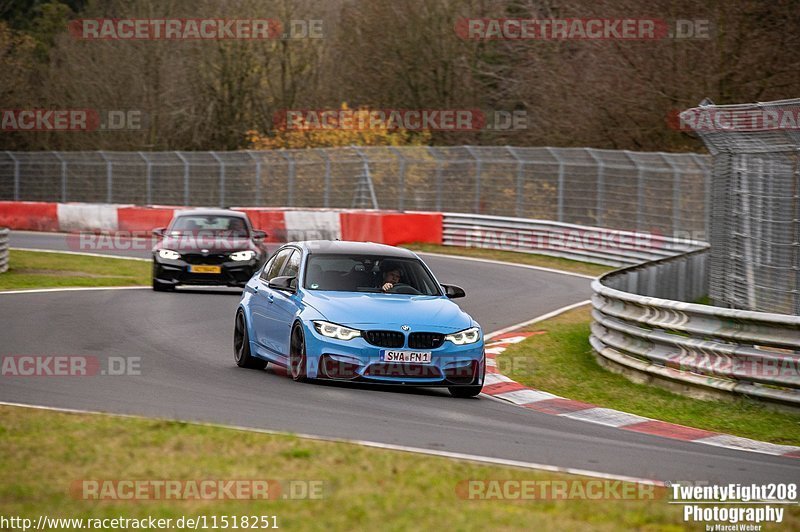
<point>184,341</point>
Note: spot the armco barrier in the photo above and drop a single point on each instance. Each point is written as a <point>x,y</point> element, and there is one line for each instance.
<point>699,349</point>
<point>576,242</point>
<point>4,250</point>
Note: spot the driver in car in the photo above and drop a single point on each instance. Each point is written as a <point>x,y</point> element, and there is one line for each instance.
<point>391,275</point>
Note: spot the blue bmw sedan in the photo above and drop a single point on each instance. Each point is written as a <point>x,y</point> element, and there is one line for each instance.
<point>355,311</point>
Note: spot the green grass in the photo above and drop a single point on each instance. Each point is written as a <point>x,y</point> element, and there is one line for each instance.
<point>44,453</point>
<point>544,261</point>
<point>32,269</point>
<point>561,361</point>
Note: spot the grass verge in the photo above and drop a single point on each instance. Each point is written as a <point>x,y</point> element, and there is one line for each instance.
<point>33,269</point>
<point>45,453</point>
<point>561,362</point>
<point>544,261</point>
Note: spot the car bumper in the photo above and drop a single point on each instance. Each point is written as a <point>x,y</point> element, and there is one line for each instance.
<point>357,360</point>
<point>175,272</point>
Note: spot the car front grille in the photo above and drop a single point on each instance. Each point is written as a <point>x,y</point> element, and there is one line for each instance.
<point>209,258</point>
<point>385,338</point>
<point>425,340</point>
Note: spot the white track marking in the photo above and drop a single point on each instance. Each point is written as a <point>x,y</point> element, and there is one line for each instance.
<point>366,443</point>
<point>81,253</point>
<point>503,263</point>
<point>536,320</point>
<point>73,289</point>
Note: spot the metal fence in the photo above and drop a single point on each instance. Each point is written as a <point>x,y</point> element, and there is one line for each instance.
<point>650,192</point>
<point>755,220</point>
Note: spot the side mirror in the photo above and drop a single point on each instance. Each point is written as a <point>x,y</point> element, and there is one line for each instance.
<point>159,231</point>
<point>452,291</point>
<point>284,282</point>
<point>258,236</point>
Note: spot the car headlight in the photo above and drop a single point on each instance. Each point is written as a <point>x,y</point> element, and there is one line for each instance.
<point>332,330</point>
<point>243,255</point>
<point>168,254</point>
<point>467,336</point>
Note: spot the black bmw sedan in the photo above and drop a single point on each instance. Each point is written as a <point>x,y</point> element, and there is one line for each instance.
<point>207,247</point>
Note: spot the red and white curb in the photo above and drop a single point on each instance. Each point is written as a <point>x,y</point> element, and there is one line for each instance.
<point>499,386</point>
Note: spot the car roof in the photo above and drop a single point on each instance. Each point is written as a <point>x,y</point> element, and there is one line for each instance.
<point>346,247</point>
<point>210,212</point>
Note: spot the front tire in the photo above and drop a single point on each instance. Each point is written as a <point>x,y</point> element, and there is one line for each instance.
<point>298,362</point>
<point>158,286</point>
<point>463,392</point>
<point>470,390</point>
<point>241,346</point>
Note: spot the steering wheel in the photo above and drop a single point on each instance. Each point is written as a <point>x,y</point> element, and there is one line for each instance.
<point>403,288</point>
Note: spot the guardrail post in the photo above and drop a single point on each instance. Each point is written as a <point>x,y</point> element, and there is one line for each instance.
<point>520,179</point>
<point>560,191</point>
<point>63,176</point>
<point>601,185</point>
<point>639,189</point>
<point>402,179</point>
<point>326,201</point>
<point>439,171</point>
<point>367,176</point>
<point>478,168</point>
<point>149,179</point>
<point>676,192</point>
<point>185,178</point>
<point>796,243</point>
<point>109,178</point>
<point>702,163</point>
<point>257,178</point>
<point>221,178</point>
<point>290,178</point>
<point>16,175</point>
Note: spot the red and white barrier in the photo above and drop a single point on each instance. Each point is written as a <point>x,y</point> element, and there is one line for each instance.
<point>281,225</point>
<point>30,215</point>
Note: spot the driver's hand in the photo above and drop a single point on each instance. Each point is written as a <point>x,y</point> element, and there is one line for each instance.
<point>387,286</point>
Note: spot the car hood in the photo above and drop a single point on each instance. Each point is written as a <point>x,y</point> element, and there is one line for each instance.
<point>361,310</point>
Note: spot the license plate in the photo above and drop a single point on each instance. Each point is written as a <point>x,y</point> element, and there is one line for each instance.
<point>205,269</point>
<point>416,357</point>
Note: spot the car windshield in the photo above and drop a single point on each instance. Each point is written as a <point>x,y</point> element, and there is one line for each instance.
<point>217,225</point>
<point>360,273</point>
